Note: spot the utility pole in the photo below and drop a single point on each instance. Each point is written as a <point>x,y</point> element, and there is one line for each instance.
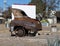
<point>5,1</point>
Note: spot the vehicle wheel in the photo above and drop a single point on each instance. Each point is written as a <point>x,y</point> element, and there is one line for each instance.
<point>21,32</point>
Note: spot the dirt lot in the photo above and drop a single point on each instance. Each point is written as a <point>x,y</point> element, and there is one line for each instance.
<point>7,40</point>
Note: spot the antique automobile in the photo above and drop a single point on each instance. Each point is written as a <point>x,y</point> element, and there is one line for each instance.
<point>23,25</point>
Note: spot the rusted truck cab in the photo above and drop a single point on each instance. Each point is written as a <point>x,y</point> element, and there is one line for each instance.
<point>23,25</point>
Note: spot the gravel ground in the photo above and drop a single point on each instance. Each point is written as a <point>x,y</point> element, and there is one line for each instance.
<point>16,41</point>
<point>7,40</point>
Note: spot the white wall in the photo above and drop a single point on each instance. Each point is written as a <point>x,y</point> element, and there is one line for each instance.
<point>30,10</point>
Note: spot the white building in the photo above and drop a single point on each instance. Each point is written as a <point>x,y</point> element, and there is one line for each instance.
<point>30,10</point>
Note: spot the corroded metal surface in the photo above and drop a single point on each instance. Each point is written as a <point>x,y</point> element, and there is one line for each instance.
<point>27,24</point>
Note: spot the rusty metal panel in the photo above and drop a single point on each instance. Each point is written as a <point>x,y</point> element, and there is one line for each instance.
<point>26,24</point>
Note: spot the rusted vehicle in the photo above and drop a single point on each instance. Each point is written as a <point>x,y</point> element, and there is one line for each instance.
<point>23,25</point>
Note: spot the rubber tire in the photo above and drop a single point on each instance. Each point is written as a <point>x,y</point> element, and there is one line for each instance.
<point>21,32</point>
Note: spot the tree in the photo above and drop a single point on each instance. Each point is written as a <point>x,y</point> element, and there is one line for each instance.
<point>40,6</point>
<point>7,13</point>
<point>51,4</point>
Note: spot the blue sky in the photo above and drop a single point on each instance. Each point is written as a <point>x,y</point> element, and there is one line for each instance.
<point>10,2</point>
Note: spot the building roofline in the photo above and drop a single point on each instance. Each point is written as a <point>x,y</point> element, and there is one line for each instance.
<point>23,4</point>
